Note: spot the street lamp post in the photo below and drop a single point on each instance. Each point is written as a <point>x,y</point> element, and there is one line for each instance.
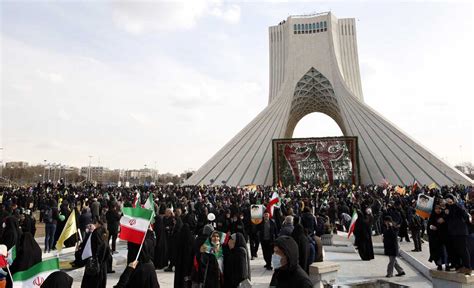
<point>44,172</point>
<point>89,174</point>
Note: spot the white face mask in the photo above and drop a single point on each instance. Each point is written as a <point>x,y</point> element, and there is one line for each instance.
<point>276,261</point>
<point>4,225</point>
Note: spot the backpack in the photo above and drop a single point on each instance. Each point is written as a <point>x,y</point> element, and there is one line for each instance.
<point>48,216</point>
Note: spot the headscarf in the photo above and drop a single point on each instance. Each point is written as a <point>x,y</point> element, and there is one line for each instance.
<point>58,279</point>
<point>11,232</point>
<point>28,253</point>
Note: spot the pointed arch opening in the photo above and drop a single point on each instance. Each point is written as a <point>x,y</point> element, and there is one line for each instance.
<point>313,93</point>
<point>316,124</point>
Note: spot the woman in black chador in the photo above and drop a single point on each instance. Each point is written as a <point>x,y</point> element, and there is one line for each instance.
<point>161,247</point>
<point>99,249</point>
<point>363,235</point>
<point>184,257</point>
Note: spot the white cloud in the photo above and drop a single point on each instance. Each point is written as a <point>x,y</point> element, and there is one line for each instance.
<point>51,76</point>
<point>142,17</point>
<point>230,14</point>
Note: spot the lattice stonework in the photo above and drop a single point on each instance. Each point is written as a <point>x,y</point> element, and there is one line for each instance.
<point>313,93</point>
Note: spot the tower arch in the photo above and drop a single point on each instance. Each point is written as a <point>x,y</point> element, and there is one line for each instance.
<point>313,93</point>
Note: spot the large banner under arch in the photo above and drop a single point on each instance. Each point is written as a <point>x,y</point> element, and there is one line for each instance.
<point>315,160</point>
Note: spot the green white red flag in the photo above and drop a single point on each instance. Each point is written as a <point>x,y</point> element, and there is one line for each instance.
<point>150,205</point>
<point>36,275</point>
<point>134,224</point>
<point>274,202</point>
<point>137,201</point>
<point>353,222</point>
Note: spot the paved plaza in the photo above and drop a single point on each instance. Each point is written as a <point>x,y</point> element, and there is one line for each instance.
<point>352,270</point>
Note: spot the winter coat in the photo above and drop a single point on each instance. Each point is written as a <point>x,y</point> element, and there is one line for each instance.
<point>286,229</point>
<point>303,246</point>
<point>457,220</point>
<point>390,241</point>
<point>290,275</point>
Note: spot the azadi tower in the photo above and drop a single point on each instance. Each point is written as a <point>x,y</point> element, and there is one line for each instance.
<point>314,67</point>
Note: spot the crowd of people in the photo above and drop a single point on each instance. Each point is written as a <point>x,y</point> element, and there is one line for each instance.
<point>206,236</point>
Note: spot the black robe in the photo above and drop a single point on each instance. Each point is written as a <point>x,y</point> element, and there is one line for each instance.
<point>28,253</point>
<point>160,259</point>
<point>11,233</point>
<point>58,279</point>
<point>437,238</point>
<point>99,250</point>
<point>237,266</point>
<point>144,276</point>
<point>363,237</point>
<point>184,256</point>
<point>303,246</point>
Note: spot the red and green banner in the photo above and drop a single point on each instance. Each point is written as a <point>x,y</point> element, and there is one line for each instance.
<point>330,160</point>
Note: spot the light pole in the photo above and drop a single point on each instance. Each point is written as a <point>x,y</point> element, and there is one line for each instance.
<point>144,175</point>
<point>89,175</point>
<point>1,163</point>
<point>44,172</point>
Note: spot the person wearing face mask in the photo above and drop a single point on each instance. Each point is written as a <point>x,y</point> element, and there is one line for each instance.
<point>288,273</point>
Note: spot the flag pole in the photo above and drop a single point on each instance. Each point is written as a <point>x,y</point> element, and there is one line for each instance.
<point>9,273</point>
<point>140,249</point>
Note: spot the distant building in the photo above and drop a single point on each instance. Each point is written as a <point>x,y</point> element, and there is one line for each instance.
<point>16,164</point>
<point>93,173</point>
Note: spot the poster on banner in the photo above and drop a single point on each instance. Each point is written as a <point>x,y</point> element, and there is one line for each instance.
<point>256,214</point>
<point>424,205</point>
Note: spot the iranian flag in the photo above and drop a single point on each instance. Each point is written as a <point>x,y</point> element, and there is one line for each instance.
<point>11,254</point>
<point>274,201</point>
<point>150,205</point>
<point>414,186</point>
<point>134,224</point>
<point>137,201</point>
<point>353,222</point>
<point>36,275</point>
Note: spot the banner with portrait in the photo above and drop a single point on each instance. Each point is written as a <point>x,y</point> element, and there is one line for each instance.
<point>317,161</point>
<point>424,205</point>
<point>256,214</point>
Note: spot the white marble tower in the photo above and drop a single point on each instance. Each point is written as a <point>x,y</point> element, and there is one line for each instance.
<point>314,67</point>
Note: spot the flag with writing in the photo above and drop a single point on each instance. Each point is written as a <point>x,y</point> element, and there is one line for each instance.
<point>134,224</point>
<point>35,276</point>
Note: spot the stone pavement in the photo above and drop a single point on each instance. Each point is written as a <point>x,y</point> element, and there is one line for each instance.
<point>353,270</point>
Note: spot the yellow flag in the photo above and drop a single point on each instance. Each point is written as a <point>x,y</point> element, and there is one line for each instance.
<point>69,229</point>
<point>433,186</point>
<point>326,187</point>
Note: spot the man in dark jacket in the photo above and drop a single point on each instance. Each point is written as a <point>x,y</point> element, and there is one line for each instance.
<point>308,221</point>
<point>267,234</point>
<point>285,260</point>
<point>390,246</point>
<point>113,220</point>
<point>84,220</point>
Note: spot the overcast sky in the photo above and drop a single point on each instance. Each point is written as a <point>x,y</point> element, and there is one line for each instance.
<point>168,84</point>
